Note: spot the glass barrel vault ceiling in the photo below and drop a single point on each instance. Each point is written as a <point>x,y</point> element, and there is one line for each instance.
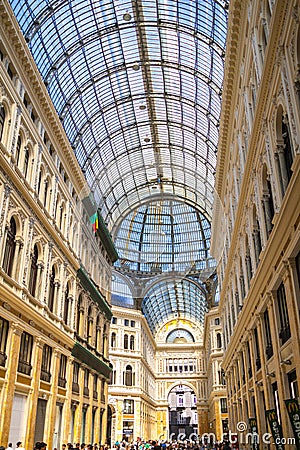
<point>137,85</point>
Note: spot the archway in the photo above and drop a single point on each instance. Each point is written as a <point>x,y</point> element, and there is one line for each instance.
<point>183,417</point>
<point>110,430</point>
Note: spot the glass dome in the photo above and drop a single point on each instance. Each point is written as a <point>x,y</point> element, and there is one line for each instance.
<point>164,236</point>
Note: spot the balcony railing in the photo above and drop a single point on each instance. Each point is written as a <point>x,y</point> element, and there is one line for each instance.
<point>24,367</point>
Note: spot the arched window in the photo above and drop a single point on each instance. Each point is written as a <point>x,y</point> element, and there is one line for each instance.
<point>46,193</point>
<point>126,341</point>
<point>104,340</point>
<point>26,161</point>
<point>61,215</point>
<point>113,340</point>
<point>128,376</point>
<point>219,340</point>
<point>131,342</point>
<point>288,150</point>
<point>242,282</point>
<point>248,262</point>
<point>2,121</point>
<point>284,154</point>
<point>256,236</point>
<point>33,271</point>
<point>267,200</point>
<point>10,247</point>
<point>39,183</point>
<point>98,334</point>
<point>79,314</point>
<point>51,290</point>
<point>18,150</point>
<point>89,325</point>
<point>66,305</point>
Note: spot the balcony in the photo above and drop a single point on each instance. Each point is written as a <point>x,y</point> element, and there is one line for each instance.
<point>24,367</point>
<point>45,376</point>
<point>62,382</point>
<point>75,388</point>
<point>3,358</point>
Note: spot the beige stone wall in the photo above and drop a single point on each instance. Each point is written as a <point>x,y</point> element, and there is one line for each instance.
<point>41,188</point>
<point>258,182</point>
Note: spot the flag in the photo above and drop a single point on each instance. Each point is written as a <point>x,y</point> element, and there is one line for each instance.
<point>94,221</point>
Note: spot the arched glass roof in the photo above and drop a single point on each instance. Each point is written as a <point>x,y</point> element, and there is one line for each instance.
<point>164,236</point>
<point>137,85</point>
<point>169,299</point>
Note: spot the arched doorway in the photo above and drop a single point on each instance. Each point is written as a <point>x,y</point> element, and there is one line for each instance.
<point>183,417</point>
<point>110,430</point>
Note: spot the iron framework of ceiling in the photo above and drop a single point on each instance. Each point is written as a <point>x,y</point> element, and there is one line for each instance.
<point>137,85</point>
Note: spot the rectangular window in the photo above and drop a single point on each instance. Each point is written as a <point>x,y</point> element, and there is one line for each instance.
<point>269,346</point>
<point>258,361</point>
<point>46,363</point>
<point>249,360</point>
<point>126,322</point>
<point>276,401</point>
<point>223,404</point>
<point>217,321</point>
<point>4,325</point>
<point>75,382</point>
<point>114,320</point>
<point>293,384</point>
<point>86,383</point>
<point>24,365</point>
<point>284,331</point>
<point>128,406</point>
<point>95,387</point>
<point>62,371</point>
<point>132,323</point>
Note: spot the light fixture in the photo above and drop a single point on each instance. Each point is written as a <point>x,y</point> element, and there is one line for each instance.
<point>142,106</point>
<point>147,139</point>
<point>288,362</point>
<point>136,66</point>
<point>127,16</point>
<point>271,374</point>
<point>259,383</point>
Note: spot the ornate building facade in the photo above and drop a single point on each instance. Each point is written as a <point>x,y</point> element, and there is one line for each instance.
<point>182,351</point>
<point>55,273</point>
<point>258,182</point>
<point>167,386</point>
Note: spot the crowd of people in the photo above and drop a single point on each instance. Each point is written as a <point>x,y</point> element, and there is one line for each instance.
<point>138,445</point>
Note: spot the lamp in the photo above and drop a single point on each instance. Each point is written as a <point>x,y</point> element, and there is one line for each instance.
<point>127,16</point>
<point>271,374</point>
<point>288,362</point>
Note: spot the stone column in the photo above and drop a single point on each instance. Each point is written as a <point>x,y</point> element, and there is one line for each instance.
<point>4,205</point>
<point>119,420</point>
<point>255,387</point>
<point>278,368</point>
<point>78,414</point>
<point>17,260</point>
<point>89,413</point>
<point>39,279</point>
<point>267,211</point>
<point>282,167</point>
<point>51,412</point>
<point>9,384</point>
<point>68,403</point>
<point>34,394</point>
